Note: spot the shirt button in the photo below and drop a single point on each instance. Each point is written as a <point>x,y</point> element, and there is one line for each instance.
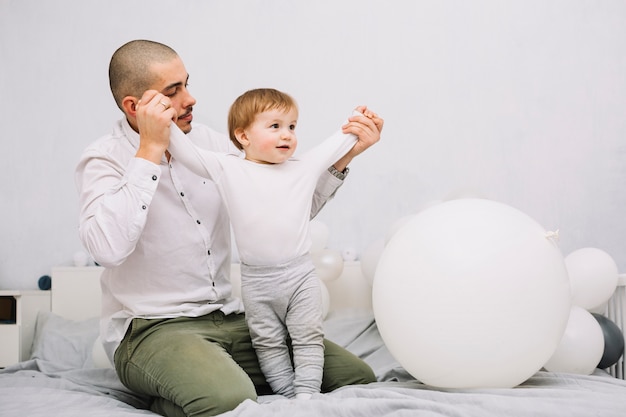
<point>198,221</point>
<point>154,178</point>
<point>182,194</point>
<point>143,207</point>
<point>209,252</point>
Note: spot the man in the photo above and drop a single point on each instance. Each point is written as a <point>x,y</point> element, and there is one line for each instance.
<point>169,321</point>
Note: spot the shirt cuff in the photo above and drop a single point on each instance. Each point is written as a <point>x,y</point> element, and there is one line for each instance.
<point>143,174</point>
<point>339,174</point>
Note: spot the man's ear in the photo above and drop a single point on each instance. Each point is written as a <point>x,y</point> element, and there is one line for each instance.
<point>242,138</point>
<point>129,105</point>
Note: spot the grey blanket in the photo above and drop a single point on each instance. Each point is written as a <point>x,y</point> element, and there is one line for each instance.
<point>40,388</point>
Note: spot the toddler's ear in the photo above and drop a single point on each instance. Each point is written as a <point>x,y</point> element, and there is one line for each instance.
<point>241,137</point>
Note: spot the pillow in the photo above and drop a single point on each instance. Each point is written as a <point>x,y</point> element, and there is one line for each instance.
<point>66,344</point>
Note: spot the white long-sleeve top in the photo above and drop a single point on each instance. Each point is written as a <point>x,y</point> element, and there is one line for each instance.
<point>161,232</point>
<point>269,204</point>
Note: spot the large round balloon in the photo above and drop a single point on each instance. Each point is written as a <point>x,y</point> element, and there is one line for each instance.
<point>593,277</point>
<point>613,341</point>
<point>581,347</point>
<point>471,293</point>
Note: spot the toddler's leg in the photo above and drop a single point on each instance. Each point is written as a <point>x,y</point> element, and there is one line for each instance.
<point>304,322</point>
<point>269,336</point>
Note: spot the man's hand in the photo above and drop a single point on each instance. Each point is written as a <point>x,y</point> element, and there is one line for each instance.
<point>367,128</point>
<point>154,116</point>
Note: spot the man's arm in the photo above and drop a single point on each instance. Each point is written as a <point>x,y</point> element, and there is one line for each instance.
<point>114,194</point>
<point>115,190</point>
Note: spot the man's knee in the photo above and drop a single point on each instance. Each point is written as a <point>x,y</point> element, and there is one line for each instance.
<point>344,368</point>
<point>212,405</point>
<point>207,406</point>
<point>363,374</point>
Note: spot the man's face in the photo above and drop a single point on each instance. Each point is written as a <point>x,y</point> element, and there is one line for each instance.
<point>171,81</point>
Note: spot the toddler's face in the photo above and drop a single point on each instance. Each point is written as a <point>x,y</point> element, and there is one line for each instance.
<point>271,138</point>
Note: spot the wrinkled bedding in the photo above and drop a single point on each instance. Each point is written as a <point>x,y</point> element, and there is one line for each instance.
<point>61,380</point>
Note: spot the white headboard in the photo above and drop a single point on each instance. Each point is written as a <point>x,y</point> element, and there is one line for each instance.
<point>75,292</point>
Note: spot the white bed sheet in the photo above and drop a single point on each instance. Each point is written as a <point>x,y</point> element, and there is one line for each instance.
<point>61,380</point>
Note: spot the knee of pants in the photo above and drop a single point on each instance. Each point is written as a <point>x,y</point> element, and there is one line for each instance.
<point>212,405</point>
<point>202,407</point>
<point>343,368</point>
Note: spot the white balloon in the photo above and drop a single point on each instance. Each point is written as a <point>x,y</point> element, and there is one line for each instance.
<point>593,277</point>
<point>470,294</point>
<point>370,257</point>
<point>581,347</point>
<point>328,264</point>
<point>319,235</point>
<point>601,309</point>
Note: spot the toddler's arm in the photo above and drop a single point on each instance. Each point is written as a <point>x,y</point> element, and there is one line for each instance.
<point>200,161</point>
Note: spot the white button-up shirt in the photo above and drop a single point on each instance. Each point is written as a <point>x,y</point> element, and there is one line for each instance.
<point>161,232</point>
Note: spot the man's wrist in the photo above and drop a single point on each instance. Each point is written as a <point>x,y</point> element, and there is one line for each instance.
<point>339,174</point>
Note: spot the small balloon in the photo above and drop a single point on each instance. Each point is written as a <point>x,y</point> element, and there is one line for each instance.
<point>601,309</point>
<point>328,264</point>
<point>593,277</point>
<point>319,235</point>
<point>613,341</point>
<point>581,346</point>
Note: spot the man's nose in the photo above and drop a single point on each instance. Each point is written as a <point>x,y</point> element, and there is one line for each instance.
<point>188,99</point>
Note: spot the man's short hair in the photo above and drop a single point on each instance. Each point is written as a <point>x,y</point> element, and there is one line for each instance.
<point>130,67</point>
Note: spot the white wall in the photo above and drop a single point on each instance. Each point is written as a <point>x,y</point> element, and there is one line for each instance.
<point>520,101</point>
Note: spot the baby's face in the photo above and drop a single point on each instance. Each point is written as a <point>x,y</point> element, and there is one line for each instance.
<point>272,136</point>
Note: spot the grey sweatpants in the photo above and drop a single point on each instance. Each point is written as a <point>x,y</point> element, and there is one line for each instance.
<point>284,301</point>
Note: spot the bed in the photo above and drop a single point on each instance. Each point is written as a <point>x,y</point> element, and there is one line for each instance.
<point>66,376</point>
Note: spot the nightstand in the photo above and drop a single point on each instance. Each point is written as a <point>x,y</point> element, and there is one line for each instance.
<point>18,315</point>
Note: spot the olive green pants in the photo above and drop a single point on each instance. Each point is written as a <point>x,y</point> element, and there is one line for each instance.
<point>204,366</point>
